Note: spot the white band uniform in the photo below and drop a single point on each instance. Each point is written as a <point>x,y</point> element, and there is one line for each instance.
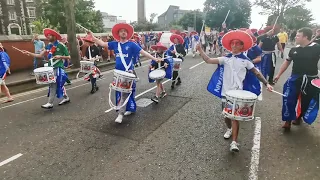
<point>240,105</point>
<point>45,75</point>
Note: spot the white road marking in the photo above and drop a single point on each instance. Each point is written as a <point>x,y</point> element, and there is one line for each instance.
<point>10,159</point>
<point>255,151</point>
<point>144,92</point>
<point>260,96</point>
<point>196,65</point>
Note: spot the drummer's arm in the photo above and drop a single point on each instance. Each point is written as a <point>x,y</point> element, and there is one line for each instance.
<point>206,58</point>
<point>100,42</point>
<point>40,55</point>
<point>257,60</point>
<point>259,76</point>
<point>146,54</point>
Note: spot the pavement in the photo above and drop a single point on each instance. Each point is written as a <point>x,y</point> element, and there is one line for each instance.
<point>179,138</point>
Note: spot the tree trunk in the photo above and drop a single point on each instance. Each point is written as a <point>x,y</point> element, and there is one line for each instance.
<point>71,31</point>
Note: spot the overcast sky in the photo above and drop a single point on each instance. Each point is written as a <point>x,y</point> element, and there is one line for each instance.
<point>128,9</point>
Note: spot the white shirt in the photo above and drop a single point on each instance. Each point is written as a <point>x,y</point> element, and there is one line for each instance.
<point>235,70</point>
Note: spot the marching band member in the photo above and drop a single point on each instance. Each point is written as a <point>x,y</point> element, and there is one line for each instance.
<point>160,91</point>
<point>255,52</point>
<point>92,51</point>
<point>194,41</point>
<point>124,51</point>
<point>235,71</point>
<point>136,59</point>
<point>185,41</point>
<point>176,51</point>
<point>269,59</point>
<point>4,66</point>
<point>58,52</point>
<point>301,98</point>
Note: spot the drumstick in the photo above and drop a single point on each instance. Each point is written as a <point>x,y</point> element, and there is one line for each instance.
<point>226,17</point>
<point>87,30</point>
<point>275,23</point>
<point>17,49</point>
<point>278,93</point>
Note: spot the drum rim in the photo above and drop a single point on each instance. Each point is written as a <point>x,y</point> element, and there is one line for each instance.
<point>249,98</point>
<point>43,69</point>
<point>119,72</point>
<point>158,70</point>
<point>88,62</point>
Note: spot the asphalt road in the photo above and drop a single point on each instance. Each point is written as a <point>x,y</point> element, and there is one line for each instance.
<point>179,138</point>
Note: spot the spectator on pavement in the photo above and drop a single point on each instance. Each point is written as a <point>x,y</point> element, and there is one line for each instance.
<point>283,39</point>
<point>38,47</point>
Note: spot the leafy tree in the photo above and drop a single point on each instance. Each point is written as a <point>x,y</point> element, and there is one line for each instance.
<point>239,16</point>
<point>53,12</point>
<point>152,16</point>
<point>297,17</point>
<point>144,26</point>
<point>278,7</point>
<point>191,18</point>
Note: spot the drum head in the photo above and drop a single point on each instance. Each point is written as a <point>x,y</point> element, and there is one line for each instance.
<point>123,73</point>
<point>177,60</point>
<point>316,83</point>
<point>43,69</point>
<point>157,74</point>
<point>241,94</point>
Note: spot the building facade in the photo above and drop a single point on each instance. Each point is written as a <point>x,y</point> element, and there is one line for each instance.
<point>173,13</point>
<point>141,11</point>
<point>110,20</point>
<point>17,16</point>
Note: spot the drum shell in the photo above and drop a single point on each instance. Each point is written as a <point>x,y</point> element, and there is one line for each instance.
<point>122,83</point>
<point>45,76</point>
<point>177,64</point>
<point>240,109</point>
<point>86,66</point>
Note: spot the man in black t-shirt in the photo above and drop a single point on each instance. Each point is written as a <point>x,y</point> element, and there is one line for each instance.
<point>298,88</point>
<point>269,59</point>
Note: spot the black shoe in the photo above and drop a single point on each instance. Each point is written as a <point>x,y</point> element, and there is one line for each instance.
<point>140,64</point>
<point>179,82</point>
<point>155,99</point>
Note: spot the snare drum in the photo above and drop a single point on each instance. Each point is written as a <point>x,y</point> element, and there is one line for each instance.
<point>176,64</point>
<point>86,66</point>
<point>44,75</point>
<point>122,81</point>
<point>157,74</point>
<point>240,105</point>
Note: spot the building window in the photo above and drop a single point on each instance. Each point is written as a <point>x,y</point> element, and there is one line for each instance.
<point>165,18</point>
<point>10,2</point>
<point>12,16</point>
<point>31,12</point>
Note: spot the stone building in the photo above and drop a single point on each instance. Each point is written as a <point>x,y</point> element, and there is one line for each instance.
<point>16,16</point>
<point>173,13</point>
